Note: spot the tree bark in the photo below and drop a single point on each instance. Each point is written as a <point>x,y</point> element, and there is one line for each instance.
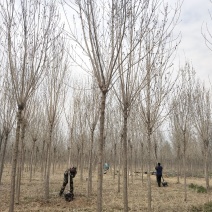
<point>14,160</point>
<point>90,164</point>
<point>125,171</point>
<point>3,156</point>
<point>114,162</point>
<point>100,152</point>
<point>184,167</point>
<point>20,163</point>
<point>206,168</point>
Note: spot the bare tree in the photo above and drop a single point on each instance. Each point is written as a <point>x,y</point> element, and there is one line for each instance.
<point>159,81</point>
<point>54,96</point>
<point>102,44</point>
<point>202,115</point>
<point>7,118</point>
<point>176,138</point>
<point>130,81</point>
<point>92,104</point>
<point>182,114</point>
<point>28,28</point>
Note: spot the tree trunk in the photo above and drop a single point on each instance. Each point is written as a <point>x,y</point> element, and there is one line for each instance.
<point>178,164</point>
<point>20,164</point>
<point>119,166</point>
<point>1,140</point>
<point>31,160</point>
<point>142,162</point>
<point>82,160</point>
<point>48,166</point>
<point>14,160</point>
<point>3,156</point>
<point>131,162</point>
<point>70,149</point>
<point>90,164</point>
<point>54,159</point>
<point>114,162</point>
<point>184,167</point>
<point>206,170</point>
<point>100,152</point>
<point>125,172</point>
<point>149,195</point>
<point>149,133</point>
<point>42,161</point>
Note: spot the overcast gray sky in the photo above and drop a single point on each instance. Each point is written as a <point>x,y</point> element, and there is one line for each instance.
<point>194,16</point>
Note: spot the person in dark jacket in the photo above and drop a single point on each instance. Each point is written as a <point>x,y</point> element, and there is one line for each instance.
<point>159,172</point>
<point>71,172</point>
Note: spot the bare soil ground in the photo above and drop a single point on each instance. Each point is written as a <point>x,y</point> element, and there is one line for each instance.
<point>164,199</point>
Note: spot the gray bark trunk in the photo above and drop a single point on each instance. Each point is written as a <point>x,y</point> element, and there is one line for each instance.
<point>14,161</point>
<point>125,172</point>
<point>90,165</point>
<point>3,156</point>
<point>100,153</point>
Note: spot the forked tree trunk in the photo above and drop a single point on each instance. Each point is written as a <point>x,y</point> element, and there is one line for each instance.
<point>14,159</point>
<point>100,152</point>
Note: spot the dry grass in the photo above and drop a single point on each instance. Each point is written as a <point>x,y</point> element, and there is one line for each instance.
<point>166,199</point>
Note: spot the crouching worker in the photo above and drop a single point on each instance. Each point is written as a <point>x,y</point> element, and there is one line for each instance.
<point>71,173</point>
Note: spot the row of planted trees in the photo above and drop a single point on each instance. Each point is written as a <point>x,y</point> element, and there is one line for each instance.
<point>168,145</point>
<point>133,109</point>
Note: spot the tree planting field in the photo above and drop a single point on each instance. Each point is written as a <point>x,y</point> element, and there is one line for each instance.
<point>166,199</point>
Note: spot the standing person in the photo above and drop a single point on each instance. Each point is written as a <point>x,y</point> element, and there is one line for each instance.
<point>159,172</point>
<point>72,173</point>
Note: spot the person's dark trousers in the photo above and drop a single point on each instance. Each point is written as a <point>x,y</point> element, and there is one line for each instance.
<point>159,180</point>
<point>65,182</point>
<point>71,185</point>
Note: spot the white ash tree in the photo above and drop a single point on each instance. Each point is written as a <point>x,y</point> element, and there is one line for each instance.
<point>130,75</point>
<point>176,138</point>
<point>7,117</point>
<point>201,113</point>
<point>54,91</point>
<point>92,117</point>
<point>101,42</point>
<point>159,46</point>
<point>29,27</point>
<point>182,115</point>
